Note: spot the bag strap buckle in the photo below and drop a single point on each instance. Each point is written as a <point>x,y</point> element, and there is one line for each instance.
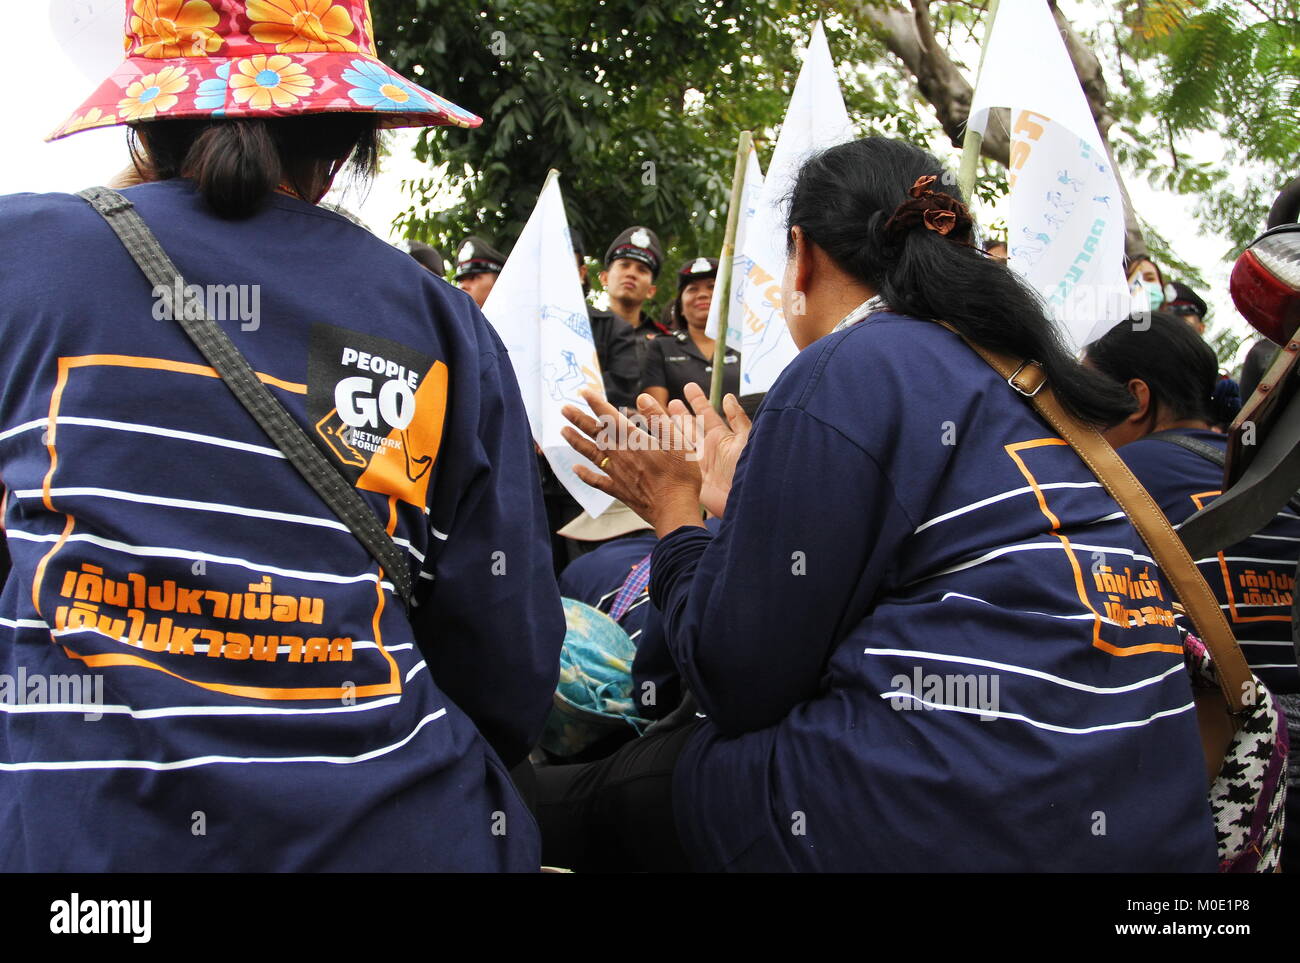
<point>1032,383</point>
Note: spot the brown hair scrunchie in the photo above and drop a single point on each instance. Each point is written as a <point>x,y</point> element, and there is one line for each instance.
<point>939,212</point>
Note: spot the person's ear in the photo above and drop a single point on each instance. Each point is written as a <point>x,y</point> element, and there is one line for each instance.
<point>582,272</point>
<point>604,278</point>
<point>652,292</point>
<point>1142,395</point>
<point>802,258</point>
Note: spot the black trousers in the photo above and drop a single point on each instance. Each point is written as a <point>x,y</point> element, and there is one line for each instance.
<point>615,815</point>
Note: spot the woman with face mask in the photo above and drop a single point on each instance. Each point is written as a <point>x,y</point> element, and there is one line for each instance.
<point>899,651</point>
<point>1146,284</point>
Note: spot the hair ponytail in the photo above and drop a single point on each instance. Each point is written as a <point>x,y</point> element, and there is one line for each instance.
<point>843,199</point>
<point>236,164</point>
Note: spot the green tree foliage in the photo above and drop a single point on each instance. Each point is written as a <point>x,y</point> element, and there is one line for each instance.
<point>1227,67</point>
<point>638,104</point>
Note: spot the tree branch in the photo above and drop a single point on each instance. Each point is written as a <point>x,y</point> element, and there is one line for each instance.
<point>909,35</point>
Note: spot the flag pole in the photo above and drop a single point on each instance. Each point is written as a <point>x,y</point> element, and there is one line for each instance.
<point>723,287</point>
<point>971,143</point>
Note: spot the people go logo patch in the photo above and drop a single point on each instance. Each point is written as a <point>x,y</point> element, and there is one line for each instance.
<point>378,409</point>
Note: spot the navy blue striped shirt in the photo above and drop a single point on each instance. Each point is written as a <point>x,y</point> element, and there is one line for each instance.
<point>1254,580</point>
<point>899,637</point>
<point>240,686</point>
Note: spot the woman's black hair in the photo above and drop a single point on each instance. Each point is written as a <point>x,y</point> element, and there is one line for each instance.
<point>670,319</point>
<point>841,201</point>
<point>238,163</point>
<point>1180,370</point>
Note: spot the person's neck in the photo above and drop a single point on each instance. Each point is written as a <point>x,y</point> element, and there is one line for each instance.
<point>702,340</point>
<point>841,300</point>
<point>1188,424</point>
<point>629,311</point>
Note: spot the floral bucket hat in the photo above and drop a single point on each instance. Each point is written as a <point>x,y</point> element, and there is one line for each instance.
<point>255,58</point>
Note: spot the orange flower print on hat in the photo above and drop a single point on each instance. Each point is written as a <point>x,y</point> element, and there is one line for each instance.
<point>174,28</point>
<point>302,26</point>
<point>153,94</point>
<point>91,118</point>
<point>264,82</point>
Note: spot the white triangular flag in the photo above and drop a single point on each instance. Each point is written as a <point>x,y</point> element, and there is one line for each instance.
<point>1066,222</point>
<point>740,264</point>
<point>90,33</point>
<point>538,309</point>
<point>815,120</point>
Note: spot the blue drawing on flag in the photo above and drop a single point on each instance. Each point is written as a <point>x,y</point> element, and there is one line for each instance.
<point>1063,177</point>
<point>1060,202</point>
<point>564,385</point>
<point>577,323</point>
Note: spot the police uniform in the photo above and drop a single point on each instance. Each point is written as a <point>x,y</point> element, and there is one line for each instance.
<point>476,256</point>
<point>676,361</point>
<point>640,244</point>
<point>616,350</point>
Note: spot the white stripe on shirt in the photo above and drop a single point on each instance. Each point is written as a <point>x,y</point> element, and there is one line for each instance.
<point>147,430</point>
<point>1051,727</point>
<point>1032,673</point>
<point>1030,547</point>
<point>946,516</point>
<point>149,551</point>
<point>170,711</point>
<point>215,760</point>
<point>1082,616</point>
<point>192,505</point>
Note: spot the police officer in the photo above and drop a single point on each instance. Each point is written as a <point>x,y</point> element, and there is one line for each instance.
<point>632,266</point>
<point>686,356</point>
<point>477,267</point>
<point>430,257</point>
<point>1186,304</point>
<point>616,342</point>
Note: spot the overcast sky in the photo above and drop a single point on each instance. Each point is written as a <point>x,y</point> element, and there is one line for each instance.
<point>44,84</point>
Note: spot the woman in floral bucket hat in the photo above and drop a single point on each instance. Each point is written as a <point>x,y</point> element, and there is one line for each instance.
<point>254,690</point>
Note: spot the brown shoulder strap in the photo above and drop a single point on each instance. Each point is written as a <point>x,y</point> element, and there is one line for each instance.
<point>1235,676</point>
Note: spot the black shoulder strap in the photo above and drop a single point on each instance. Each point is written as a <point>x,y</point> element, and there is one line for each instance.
<point>1206,451</point>
<point>235,371</point>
